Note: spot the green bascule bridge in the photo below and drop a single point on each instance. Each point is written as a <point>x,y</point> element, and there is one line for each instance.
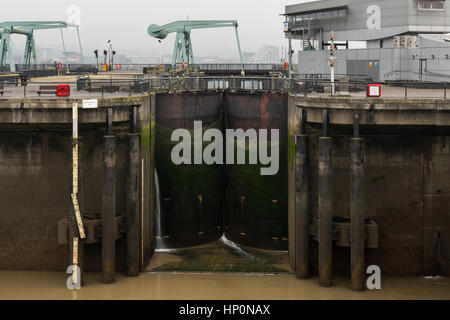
<point>27,29</point>
<point>183,51</point>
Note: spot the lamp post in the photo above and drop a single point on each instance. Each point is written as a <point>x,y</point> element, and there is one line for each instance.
<point>112,58</point>
<point>105,55</point>
<point>96,56</point>
<point>110,55</point>
<point>160,51</point>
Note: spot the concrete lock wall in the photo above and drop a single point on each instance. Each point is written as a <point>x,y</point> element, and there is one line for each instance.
<point>407,175</point>
<point>407,186</point>
<point>35,175</point>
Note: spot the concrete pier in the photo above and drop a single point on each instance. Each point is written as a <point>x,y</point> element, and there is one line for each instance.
<point>405,182</point>
<point>325,212</point>
<point>36,147</point>
<point>109,211</point>
<point>133,217</point>
<point>357,215</point>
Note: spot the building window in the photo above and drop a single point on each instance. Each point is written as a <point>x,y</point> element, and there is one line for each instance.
<point>431,5</point>
<point>321,15</point>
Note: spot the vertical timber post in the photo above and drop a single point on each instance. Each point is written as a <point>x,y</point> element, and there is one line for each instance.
<point>302,201</point>
<point>325,207</point>
<point>109,204</point>
<point>133,218</point>
<point>357,210</point>
<point>290,61</point>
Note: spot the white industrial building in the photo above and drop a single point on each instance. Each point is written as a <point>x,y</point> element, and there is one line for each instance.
<point>405,39</point>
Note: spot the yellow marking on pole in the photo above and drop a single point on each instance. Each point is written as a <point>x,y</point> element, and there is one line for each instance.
<point>75,168</point>
<point>75,261</point>
<point>78,216</point>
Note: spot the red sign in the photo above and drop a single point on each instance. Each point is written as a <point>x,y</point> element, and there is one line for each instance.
<point>59,65</point>
<point>63,90</point>
<point>373,90</point>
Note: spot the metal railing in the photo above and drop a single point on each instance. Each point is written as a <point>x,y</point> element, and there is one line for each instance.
<point>245,84</point>
<point>139,67</point>
<point>51,67</point>
<point>358,89</point>
<point>141,84</point>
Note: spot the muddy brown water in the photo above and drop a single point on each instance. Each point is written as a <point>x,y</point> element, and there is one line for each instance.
<point>166,286</point>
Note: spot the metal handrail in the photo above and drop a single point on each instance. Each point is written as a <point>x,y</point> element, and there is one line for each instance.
<point>145,84</point>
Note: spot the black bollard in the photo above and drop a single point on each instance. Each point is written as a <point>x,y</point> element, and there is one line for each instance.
<point>357,214</point>
<point>302,207</point>
<point>109,206</point>
<point>325,212</point>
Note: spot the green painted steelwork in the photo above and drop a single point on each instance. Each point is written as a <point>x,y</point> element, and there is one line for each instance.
<point>27,29</point>
<point>183,51</point>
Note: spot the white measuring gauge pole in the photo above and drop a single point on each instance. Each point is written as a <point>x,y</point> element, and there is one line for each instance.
<point>333,86</point>
<point>75,166</point>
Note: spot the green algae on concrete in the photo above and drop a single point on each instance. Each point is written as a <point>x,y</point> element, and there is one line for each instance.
<point>257,205</point>
<point>191,195</point>
<point>218,257</point>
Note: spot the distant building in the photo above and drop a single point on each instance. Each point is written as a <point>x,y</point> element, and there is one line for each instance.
<point>405,39</point>
<point>123,59</point>
<point>70,57</point>
<point>46,56</point>
<point>267,54</point>
<point>248,56</point>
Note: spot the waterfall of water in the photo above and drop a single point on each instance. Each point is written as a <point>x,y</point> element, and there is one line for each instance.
<point>158,214</point>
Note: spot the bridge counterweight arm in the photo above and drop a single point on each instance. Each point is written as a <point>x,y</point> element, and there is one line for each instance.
<point>183,51</point>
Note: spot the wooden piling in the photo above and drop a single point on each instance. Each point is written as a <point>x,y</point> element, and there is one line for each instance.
<point>133,217</point>
<point>325,212</point>
<point>357,215</point>
<point>109,205</point>
<point>302,214</point>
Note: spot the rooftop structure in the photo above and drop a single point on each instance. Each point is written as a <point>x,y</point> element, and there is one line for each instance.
<point>366,20</point>
<point>405,39</point>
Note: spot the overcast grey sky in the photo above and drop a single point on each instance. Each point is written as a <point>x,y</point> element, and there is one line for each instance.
<point>126,22</point>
